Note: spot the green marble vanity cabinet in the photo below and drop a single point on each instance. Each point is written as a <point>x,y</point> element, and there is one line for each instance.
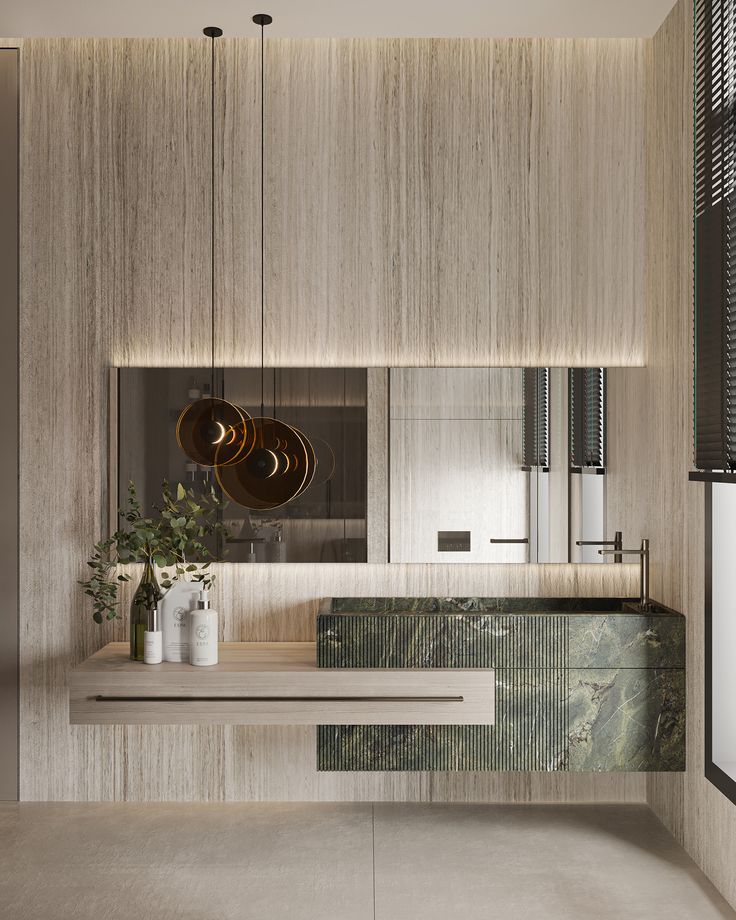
<point>582,684</point>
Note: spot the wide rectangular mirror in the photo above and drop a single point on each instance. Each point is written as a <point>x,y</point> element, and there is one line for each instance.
<point>497,464</point>
<point>414,465</point>
<point>326,523</point>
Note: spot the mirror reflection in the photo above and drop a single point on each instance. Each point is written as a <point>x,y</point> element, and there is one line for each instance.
<point>498,464</point>
<point>324,523</point>
<point>413,465</point>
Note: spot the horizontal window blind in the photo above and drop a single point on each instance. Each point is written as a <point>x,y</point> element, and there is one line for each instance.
<point>536,417</point>
<point>715,234</point>
<point>587,423</point>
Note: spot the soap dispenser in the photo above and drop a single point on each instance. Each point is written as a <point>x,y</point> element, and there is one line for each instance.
<point>175,609</point>
<point>203,632</point>
<point>152,642</point>
<point>276,549</point>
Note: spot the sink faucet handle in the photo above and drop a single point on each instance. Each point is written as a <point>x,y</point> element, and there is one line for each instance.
<point>643,554</point>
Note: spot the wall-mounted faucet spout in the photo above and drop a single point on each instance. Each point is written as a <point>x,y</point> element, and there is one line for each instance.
<point>643,554</point>
<point>616,543</point>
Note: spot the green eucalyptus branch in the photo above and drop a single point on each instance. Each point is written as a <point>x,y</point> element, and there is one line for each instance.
<point>172,535</point>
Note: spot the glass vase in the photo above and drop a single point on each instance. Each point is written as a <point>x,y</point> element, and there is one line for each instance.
<point>147,595</point>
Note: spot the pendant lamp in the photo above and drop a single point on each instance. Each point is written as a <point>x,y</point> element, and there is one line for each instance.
<point>326,462</point>
<point>212,430</point>
<point>277,462</point>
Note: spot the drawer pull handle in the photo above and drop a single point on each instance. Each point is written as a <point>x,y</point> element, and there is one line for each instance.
<point>279,699</point>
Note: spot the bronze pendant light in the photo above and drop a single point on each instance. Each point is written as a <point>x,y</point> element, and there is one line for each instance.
<point>279,462</point>
<point>275,472</point>
<point>212,430</point>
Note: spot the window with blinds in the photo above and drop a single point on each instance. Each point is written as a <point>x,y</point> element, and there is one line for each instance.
<point>715,234</point>
<point>536,417</point>
<point>587,423</point>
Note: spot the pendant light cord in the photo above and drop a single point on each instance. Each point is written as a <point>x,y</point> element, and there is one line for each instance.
<point>212,32</point>
<point>212,211</point>
<point>263,221</point>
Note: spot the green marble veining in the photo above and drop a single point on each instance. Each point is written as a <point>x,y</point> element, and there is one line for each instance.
<point>583,684</point>
<point>476,640</point>
<point>619,640</point>
<point>404,747</point>
<point>626,719</point>
<point>546,720</point>
<point>530,734</point>
<point>441,641</point>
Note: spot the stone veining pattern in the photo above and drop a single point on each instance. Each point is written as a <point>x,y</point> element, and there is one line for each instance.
<point>581,685</point>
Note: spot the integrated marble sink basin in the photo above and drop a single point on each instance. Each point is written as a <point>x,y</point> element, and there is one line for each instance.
<point>431,632</point>
<point>519,605</point>
<point>654,609</point>
<point>584,684</point>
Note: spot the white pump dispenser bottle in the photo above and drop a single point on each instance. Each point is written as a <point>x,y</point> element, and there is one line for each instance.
<point>203,633</point>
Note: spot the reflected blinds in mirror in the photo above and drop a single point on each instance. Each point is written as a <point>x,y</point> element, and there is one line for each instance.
<point>536,417</point>
<point>587,394</point>
<point>715,235</point>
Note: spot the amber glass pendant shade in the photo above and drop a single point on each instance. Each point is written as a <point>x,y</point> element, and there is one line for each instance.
<point>311,461</point>
<point>212,430</point>
<point>279,466</point>
<point>325,461</point>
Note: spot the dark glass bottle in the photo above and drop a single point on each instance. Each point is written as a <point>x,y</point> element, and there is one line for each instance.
<point>147,595</point>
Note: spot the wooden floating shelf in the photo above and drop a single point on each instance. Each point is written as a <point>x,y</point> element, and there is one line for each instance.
<point>274,683</point>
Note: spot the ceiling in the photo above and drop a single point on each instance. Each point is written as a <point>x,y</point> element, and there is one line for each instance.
<point>336,18</point>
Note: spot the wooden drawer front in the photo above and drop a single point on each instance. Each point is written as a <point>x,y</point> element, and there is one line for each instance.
<point>252,688</point>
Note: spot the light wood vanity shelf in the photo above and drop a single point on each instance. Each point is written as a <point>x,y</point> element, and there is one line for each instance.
<point>278,683</point>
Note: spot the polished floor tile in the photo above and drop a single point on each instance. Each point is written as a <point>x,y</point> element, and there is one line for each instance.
<point>535,863</point>
<point>345,862</point>
<point>196,862</point>
<point>165,835</point>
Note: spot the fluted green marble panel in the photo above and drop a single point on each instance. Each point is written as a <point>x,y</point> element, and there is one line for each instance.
<point>484,640</point>
<point>582,684</point>
<point>468,640</point>
<point>588,720</point>
<point>404,747</point>
<point>530,734</point>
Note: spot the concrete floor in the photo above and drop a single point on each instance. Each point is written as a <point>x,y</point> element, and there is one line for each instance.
<point>345,862</point>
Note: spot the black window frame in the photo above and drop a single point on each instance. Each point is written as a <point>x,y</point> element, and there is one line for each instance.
<point>720,779</point>
<point>714,296</point>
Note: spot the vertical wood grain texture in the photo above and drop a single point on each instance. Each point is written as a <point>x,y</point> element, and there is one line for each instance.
<point>9,456</point>
<point>698,814</point>
<point>440,202</point>
<point>377,498</point>
<point>428,203</point>
<point>671,507</point>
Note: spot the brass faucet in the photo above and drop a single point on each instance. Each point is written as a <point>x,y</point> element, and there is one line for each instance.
<point>643,554</point>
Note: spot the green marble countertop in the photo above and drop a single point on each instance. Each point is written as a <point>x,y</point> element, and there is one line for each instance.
<point>567,606</point>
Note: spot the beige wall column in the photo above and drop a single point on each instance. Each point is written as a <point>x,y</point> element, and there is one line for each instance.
<point>9,422</point>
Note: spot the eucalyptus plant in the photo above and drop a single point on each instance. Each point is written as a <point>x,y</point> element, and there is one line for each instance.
<point>168,538</point>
